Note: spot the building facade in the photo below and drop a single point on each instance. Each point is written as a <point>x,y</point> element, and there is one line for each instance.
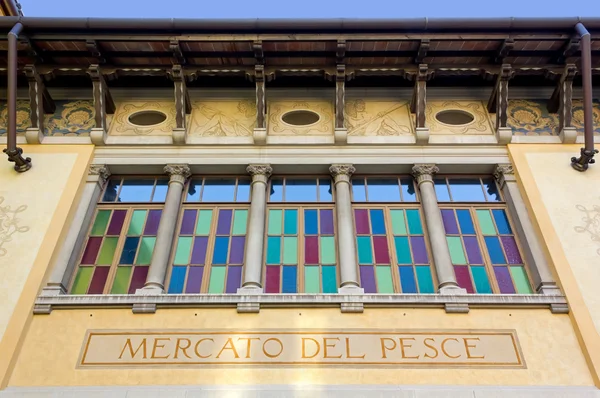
<point>294,208</point>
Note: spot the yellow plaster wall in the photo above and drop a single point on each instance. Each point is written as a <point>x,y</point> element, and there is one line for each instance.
<point>34,210</point>
<point>566,208</point>
<point>52,346</point>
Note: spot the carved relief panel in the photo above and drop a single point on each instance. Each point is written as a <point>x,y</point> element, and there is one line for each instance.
<point>226,118</point>
<point>377,118</point>
<point>144,118</point>
<point>458,118</point>
<point>294,118</point>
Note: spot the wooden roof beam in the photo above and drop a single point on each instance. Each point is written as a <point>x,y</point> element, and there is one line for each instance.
<point>568,50</point>
<point>259,54</point>
<point>40,103</point>
<point>422,52</point>
<point>340,53</point>
<point>94,48</point>
<point>504,49</point>
<point>178,56</point>
<point>498,104</point>
<point>32,49</point>
<point>564,86</point>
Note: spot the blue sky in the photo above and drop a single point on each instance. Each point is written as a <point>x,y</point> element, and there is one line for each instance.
<point>309,8</point>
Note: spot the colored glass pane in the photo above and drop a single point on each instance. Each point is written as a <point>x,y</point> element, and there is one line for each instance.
<point>182,253</point>
<point>364,250</point>
<point>91,250</point>
<point>110,195</point>
<point>216,283</point>
<point>137,223</point>
<point>466,190</point>
<point>384,279</point>
<point>204,221</point>
<point>485,222</point>
<point>290,250</point>
<point>359,192</point>
<point>272,279</point>
<point>327,250</point>
<point>221,250</point>
<point>419,250</point>
<point>361,218</point>
<point>300,190</point>
<point>521,281</point>
<point>236,255</point>
<point>138,279</point>
<point>151,227</point>
<point>501,221</point>
<point>199,250</point>
<point>275,219</point>
<point>456,250</point>
<point>240,220</point>
<point>494,250</point>
<point>99,280</point>
<point>224,222</point>
<point>504,280</point>
<point>136,190</point>
<point>491,190</point>
<point>234,279</point>
<point>290,222</point>
<point>289,279</point>
<point>408,190</point>
<point>276,194</point>
<point>398,222</point>
<point>441,190</point>
<point>325,190</point>
<point>218,190</point>
<point>82,280</point>
<point>380,247</point>
<point>472,248</point>
<point>194,281</point>
<point>465,221</point>
<point>326,221</point>
<point>121,282</point>
<point>100,222</point>
<point>160,191</point>
<point>311,279</point>
<point>377,221</point>
<point>403,254</point>
<point>449,221</point>
<point>311,222</point>
<point>273,250</point>
<point>407,280</point>
<point>129,250</point>
<point>188,221</point>
<point>414,222</point>
<point>425,279</point>
<point>311,250</point>
<point>107,251</point>
<point>463,277</point>
<point>243,191</point>
<point>329,279</point>
<point>116,222</point>
<point>511,250</point>
<point>367,278</point>
<point>177,280</point>
<point>145,252</point>
<point>482,284</point>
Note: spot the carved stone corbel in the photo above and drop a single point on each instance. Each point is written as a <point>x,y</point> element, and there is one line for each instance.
<point>40,103</point>
<point>260,131</point>
<point>418,104</point>
<point>498,103</point>
<point>562,102</point>
<point>183,105</point>
<point>340,134</point>
<point>103,105</point>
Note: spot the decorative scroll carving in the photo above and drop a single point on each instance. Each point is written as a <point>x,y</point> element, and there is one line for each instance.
<point>324,126</point>
<point>479,125</point>
<point>502,172</point>
<point>122,126</point>
<point>9,224</point>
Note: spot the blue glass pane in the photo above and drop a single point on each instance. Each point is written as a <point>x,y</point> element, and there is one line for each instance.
<point>129,249</point>
<point>501,221</point>
<point>218,190</point>
<point>441,190</point>
<point>377,221</point>
<point>220,251</point>
<point>194,188</point>
<point>160,191</point>
<point>288,280</point>
<point>407,280</point>
<point>465,221</point>
<point>177,280</point>
<point>300,190</point>
<point>310,222</point>
<point>243,191</point>
<point>383,190</point>
<point>110,195</point>
<point>408,190</point>
<point>466,190</point>
<point>491,190</point>
<point>290,222</point>
<point>276,194</point>
<point>136,190</point>
<point>273,250</point>
<point>359,193</point>
<point>494,250</point>
<point>325,190</point>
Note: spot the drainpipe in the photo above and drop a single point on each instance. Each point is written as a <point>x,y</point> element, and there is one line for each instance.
<point>588,152</point>
<point>14,153</point>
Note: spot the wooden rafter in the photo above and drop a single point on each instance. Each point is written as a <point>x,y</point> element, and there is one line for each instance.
<point>568,50</point>
<point>505,48</point>
<point>259,54</point>
<point>340,53</point>
<point>33,50</point>
<point>178,56</point>
<point>94,48</point>
<point>422,51</point>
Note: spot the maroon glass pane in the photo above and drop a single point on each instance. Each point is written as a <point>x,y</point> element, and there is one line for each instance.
<point>311,250</point>
<point>236,252</point>
<point>194,281</point>
<point>138,279</point>
<point>419,250</point>
<point>91,250</point>
<point>463,277</point>
<point>473,252</point>
<point>361,218</point>
<point>511,250</point>
<point>152,222</point>
<point>449,221</point>
<point>234,279</point>
<point>367,278</point>
<point>199,250</point>
<point>224,224</point>
<point>380,246</point>
<point>272,279</point>
<point>98,280</point>
<point>116,222</point>
<point>504,282</point>
<point>327,222</point>
<point>188,222</point>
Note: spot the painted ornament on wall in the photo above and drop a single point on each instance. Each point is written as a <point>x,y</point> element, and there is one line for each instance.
<point>591,222</point>
<point>224,118</point>
<point>300,118</point>
<point>9,224</point>
<point>578,117</point>
<point>530,117</point>
<point>23,117</point>
<point>478,123</point>
<point>71,119</point>
<point>155,118</point>
<point>377,118</point>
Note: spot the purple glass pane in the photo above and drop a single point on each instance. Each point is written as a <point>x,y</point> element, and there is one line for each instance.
<point>98,280</point>
<point>194,281</point>
<point>449,222</point>
<point>380,246</point>
<point>367,279</point>
<point>188,222</point>
<point>463,277</point>
<point>504,282</point>
<point>419,251</point>
<point>234,278</point>
<point>138,279</point>
<point>224,224</point>
<point>361,217</point>
<point>199,250</point>
<point>326,222</point>
<point>236,252</point>
<point>91,250</point>
<point>311,250</point>
<point>473,251</point>
<point>511,250</point>
<point>152,222</point>
<point>116,222</point>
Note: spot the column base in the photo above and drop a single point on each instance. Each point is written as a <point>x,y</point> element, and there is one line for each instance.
<point>452,290</point>
<point>53,290</point>
<point>351,289</point>
<point>549,289</point>
<point>150,291</point>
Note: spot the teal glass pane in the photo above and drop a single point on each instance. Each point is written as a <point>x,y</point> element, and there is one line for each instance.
<point>325,194</point>
<point>311,279</point>
<point>137,223</point>
<point>300,190</point>
<point>329,279</point>
<point>275,222</point>
<point>290,250</point>
<point>311,222</point>
<point>494,250</point>
<point>482,284</point>
<point>414,222</point>
<point>485,222</point>
<point>501,222</point>
<point>384,279</point>
<point>383,190</point>
<point>359,193</point>
<point>365,256</point>
<point>290,222</point>
<point>408,190</point>
<point>377,221</point>
<point>402,250</point>
<point>273,250</point>
<point>441,190</point>
<point>276,194</point>
<point>218,190</point>
<point>424,279</point>
<point>327,247</point>
<point>465,222</point>
<point>521,281</point>
<point>240,220</point>
<point>457,253</point>
<point>466,190</point>
<point>398,222</point>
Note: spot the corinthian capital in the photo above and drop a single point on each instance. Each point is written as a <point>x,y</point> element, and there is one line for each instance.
<point>341,172</point>
<point>178,172</point>
<point>101,171</point>
<point>259,170</point>
<point>424,172</point>
<point>504,172</point>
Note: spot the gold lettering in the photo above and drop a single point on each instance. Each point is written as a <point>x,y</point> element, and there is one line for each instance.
<point>467,346</point>
<point>327,345</point>
<point>304,339</point>
<point>155,346</point>
<point>134,353</point>
<point>403,346</point>
<point>432,347</point>
<point>196,348</point>
<point>272,355</point>
<point>249,345</point>
<point>444,348</point>
<point>348,350</point>
<point>229,346</point>
<point>179,347</point>
<point>385,347</point>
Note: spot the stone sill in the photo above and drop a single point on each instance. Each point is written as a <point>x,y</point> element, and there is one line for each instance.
<point>347,303</point>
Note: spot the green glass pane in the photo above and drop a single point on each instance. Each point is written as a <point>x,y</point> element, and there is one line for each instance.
<point>82,280</point>
<point>100,223</point>
<point>137,223</point>
<point>217,280</point>
<point>384,279</point>
<point>456,250</point>
<point>414,222</point>
<point>203,223</point>
<point>145,251</point>
<point>121,283</point>
<point>365,256</point>
<point>482,284</point>
<point>182,253</point>
<point>290,250</point>
<point>424,279</point>
<point>311,280</point>
<point>107,251</point>
<point>521,281</point>
<point>240,220</point>
<point>290,222</point>
<point>273,250</point>
<point>275,222</point>
<point>327,250</point>
<point>398,223</point>
<point>485,222</point>
<point>402,250</point>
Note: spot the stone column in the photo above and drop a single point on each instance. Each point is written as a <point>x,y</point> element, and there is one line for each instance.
<point>66,261</point>
<point>346,240</point>
<point>423,173</point>
<point>543,280</point>
<point>155,280</point>
<point>255,235</point>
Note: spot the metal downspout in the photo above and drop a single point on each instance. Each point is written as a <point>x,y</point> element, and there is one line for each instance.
<point>587,153</point>
<point>14,153</point>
